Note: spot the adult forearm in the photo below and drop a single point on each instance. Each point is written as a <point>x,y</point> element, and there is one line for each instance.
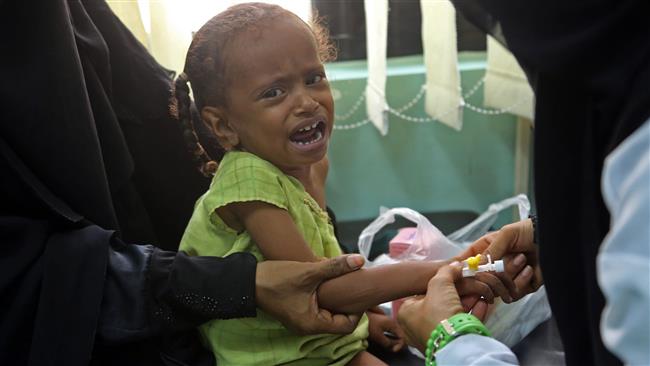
<point>149,291</point>
<point>360,290</point>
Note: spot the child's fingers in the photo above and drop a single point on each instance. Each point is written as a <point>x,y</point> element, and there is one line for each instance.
<point>502,284</point>
<point>393,341</point>
<point>498,287</point>
<point>387,336</point>
<point>398,345</point>
<point>396,329</point>
<point>385,332</point>
<point>468,302</point>
<point>382,340</point>
<point>471,286</point>
<point>480,309</point>
<point>475,305</point>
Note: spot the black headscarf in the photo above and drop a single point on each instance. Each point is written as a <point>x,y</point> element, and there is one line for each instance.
<point>589,65</point>
<point>85,108</point>
<point>87,148</point>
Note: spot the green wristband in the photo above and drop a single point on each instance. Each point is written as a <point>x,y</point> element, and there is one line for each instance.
<point>448,330</point>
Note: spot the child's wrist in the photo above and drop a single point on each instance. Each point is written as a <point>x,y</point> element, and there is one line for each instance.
<point>429,270</point>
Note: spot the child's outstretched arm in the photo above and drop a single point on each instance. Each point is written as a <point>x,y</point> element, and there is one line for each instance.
<point>372,286</point>
<point>380,284</point>
<point>278,238</point>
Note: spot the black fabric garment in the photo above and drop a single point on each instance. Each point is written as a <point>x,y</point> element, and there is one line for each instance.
<point>60,306</point>
<point>164,176</point>
<point>38,310</point>
<point>77,62</point>
<point>589,65</point>
<point>90,161</point>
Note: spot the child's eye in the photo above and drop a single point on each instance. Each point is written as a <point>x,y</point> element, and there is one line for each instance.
<point>272,93</point>
<point>315,79</point>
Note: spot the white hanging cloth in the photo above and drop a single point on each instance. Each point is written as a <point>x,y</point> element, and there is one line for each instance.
<point>129,13</point>
<point>443,99</point>
<point>506,86</point>
<point>376,37</point>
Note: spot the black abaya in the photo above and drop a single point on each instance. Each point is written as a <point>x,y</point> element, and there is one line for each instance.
<point>589,65</point>
<point>89,161</point>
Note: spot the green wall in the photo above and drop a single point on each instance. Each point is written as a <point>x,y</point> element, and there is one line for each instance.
<point>428,167</point>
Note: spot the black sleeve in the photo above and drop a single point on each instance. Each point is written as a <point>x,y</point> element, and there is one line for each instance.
<point>149,291</point>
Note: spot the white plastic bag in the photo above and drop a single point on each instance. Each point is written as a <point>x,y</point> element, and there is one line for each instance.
<point>509,323</point>
<point>430,243</point>
<point>482,224</point>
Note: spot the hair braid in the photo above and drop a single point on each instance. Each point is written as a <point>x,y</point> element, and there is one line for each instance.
<point>179,109</point>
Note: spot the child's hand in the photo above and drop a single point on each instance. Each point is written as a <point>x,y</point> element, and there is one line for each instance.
<point>379,323</point>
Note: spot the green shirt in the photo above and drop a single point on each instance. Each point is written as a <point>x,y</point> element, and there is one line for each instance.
<point>263,340</point>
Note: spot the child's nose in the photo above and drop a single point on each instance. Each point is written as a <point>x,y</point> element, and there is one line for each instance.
<point>305,104</point>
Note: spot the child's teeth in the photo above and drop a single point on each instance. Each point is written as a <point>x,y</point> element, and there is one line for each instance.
<point>304,129</point>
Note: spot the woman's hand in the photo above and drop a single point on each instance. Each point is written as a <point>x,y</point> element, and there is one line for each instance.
<point>420,315</point>
<point>511,240</point>
<point>287,291</point>
<point>475,292</point>
<point>379,324</point>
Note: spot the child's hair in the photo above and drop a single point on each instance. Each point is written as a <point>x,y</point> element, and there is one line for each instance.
<point>205,65</point>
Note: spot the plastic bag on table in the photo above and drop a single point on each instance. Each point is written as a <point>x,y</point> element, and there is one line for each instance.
<point>482,224</point>
<point>428,243</point>
<point>509,323</point>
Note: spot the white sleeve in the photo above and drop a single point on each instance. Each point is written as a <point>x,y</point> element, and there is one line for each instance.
<point>474,349</point>
<point>623,262</point>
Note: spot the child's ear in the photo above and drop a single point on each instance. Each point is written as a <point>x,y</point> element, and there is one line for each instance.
<point>226,133</point>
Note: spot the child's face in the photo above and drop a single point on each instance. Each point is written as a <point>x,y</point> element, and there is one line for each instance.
<point>279,102</point>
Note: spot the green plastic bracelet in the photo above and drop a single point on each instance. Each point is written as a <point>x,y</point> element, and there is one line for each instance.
<point>450,329</point>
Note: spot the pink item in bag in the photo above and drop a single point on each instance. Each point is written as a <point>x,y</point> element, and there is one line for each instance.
<point>398,245</point>
<point>401,242</point>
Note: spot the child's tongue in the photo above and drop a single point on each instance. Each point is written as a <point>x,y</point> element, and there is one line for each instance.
<point>304,136</point>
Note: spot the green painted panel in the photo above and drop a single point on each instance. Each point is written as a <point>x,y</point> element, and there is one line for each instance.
<point>425,166</point>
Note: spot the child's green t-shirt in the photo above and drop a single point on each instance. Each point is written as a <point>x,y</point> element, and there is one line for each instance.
<point>263,340</point>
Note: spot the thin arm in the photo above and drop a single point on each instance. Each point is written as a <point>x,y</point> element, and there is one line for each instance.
<point>278,238</point>
<point>357,291</point>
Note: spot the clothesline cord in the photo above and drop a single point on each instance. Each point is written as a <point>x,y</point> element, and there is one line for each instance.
<point>399,112</point>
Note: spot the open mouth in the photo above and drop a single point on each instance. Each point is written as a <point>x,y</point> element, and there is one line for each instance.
<point>310,134</point>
